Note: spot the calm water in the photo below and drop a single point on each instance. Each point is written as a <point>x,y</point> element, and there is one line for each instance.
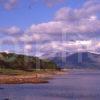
<point>77,85</point>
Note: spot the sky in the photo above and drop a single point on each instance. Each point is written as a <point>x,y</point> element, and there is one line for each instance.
<point>36,27</point>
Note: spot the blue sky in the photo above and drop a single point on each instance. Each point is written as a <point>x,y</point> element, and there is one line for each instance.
<point>27,13</point>
<point>29,26</point>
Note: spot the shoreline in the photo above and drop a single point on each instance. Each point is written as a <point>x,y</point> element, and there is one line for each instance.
<point>35,78</point>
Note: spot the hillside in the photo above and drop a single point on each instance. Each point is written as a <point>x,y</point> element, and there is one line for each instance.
<point>22,62</point>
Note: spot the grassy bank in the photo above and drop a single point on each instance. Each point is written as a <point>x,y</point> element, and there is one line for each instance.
<point>10,76</point>
<point>5,71</point>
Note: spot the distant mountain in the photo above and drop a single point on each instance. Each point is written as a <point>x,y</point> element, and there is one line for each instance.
<point>77,60</point>
<point>23,62</point>
<point>83,60</point>
<point>53,54</point>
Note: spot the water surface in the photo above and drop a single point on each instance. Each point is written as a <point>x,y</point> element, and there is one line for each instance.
<point>75,85</point>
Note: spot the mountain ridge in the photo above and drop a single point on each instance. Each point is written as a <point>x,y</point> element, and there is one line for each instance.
<point>78,60</point>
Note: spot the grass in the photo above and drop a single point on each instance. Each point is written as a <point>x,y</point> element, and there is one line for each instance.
<point>5,71</point>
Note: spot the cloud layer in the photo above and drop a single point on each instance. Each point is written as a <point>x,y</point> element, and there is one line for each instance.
<point>71,30</point>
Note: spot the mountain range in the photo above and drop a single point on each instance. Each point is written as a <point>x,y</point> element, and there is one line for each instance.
<point>75,60</point>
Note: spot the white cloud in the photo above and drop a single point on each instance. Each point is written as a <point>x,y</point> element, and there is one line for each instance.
<point>13,30</point>
<point>50,27</point>
<point>10,30</point>
<point>34,37</point>
<point>67,46</point>
<point>86,26</point>
<point>28,47</point>
<point>90,7</point>
<point>93,18</point>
